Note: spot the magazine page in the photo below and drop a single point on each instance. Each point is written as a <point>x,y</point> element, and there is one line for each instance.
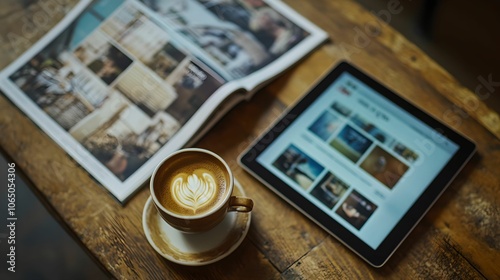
<point>121,84</point>
<point>115,90</point>
<point>250,41</point>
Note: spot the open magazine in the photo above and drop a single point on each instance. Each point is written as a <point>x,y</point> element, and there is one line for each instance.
<point>121,84</point>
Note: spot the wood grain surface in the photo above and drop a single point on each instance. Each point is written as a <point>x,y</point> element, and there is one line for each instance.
<point>458,238</point>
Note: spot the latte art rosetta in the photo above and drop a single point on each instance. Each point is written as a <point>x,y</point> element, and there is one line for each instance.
<point>194,192</point>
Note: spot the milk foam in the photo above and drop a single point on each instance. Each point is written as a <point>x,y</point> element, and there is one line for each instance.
<point>194,191</point>
<point>191,184</point>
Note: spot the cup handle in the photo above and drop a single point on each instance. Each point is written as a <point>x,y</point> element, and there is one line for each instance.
<point>240,204</point>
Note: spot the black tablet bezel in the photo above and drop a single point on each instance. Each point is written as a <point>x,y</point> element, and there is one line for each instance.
<point>379,256</point>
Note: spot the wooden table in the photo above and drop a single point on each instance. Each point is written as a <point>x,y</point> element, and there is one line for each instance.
<point>458,238</point>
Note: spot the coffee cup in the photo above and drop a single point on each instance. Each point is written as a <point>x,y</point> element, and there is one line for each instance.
<point>192,190</point>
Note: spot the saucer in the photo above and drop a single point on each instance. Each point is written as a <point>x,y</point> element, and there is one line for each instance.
<point>199,248</point>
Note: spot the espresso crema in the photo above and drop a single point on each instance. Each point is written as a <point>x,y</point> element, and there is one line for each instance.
<point>192,184</point>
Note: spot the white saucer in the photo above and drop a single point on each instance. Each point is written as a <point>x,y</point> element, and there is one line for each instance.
<point>196,249</point>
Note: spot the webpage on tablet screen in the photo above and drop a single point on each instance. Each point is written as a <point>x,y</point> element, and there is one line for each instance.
<point>358,157</point>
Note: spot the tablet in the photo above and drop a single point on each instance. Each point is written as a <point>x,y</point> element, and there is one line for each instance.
<point>359,160</point>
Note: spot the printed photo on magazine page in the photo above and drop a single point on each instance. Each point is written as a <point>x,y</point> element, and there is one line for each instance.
<point>240,36</point>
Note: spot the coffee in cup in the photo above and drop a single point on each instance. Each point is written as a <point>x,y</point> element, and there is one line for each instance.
<point>192,190</point>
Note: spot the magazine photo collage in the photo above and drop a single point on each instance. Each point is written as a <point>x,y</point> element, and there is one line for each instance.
<point>363,145</point>
<point>117,83</point>
<point>239,36</point>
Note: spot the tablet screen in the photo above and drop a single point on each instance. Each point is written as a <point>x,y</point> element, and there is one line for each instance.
<point>359,160</point>
<point>358,157</point>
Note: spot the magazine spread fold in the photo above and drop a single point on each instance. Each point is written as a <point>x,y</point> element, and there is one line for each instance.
<point>120,84</point>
